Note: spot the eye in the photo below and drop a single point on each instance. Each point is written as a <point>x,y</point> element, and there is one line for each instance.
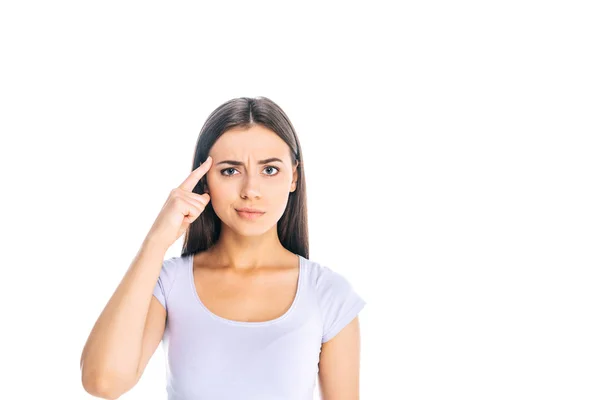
<point>233,169</point>
<point>275,168</point>
<point>226,169</point>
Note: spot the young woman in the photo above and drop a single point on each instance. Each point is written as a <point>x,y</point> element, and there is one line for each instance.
<point>243,313</point>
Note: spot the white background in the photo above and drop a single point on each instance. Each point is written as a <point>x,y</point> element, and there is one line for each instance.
<point>452,163</point>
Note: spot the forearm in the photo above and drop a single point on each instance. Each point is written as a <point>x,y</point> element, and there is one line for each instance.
<point>112,352</point>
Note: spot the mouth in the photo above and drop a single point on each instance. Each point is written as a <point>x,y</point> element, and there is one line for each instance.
<point>251,215</point>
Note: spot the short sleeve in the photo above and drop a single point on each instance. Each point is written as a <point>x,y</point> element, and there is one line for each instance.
<point>339,302</point>
<point>165,281</point>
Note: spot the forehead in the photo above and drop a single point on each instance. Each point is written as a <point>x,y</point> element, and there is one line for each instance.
<point>258,141</point>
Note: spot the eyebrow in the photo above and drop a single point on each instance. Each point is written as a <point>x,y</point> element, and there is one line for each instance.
<point>233,162</point>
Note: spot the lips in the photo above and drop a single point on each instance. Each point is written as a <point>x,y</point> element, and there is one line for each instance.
<point>250,210</point>
<point>251,215</point>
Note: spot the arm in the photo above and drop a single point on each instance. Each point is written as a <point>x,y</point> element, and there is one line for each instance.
<point>110,361</point>
<point>339,364</point>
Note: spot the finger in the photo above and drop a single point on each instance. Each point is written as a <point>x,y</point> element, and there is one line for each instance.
<point>192,215</point>
<point>197,199</point>
<point>191,208</point>
<point>192,180</point>
<point>204,197</point>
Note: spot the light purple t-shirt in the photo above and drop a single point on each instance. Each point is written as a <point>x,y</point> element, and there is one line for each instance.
<point>210,357</point>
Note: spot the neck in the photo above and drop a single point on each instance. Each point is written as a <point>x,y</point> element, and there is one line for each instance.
<point>240,252</point>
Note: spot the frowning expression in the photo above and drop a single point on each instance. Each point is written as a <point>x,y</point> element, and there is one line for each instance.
<point>252,168</point>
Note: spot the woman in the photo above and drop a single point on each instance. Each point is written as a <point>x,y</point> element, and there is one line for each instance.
<point>243,313</point>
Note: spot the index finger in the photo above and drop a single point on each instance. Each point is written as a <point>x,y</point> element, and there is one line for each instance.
<point>192,180</point>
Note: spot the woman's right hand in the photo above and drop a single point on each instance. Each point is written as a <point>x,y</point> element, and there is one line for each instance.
<point>181,209</point>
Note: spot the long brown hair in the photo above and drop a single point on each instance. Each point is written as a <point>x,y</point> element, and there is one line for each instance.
<point>246,112</point>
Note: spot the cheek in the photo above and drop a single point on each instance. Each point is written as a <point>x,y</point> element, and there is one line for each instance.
<point>276,189</point>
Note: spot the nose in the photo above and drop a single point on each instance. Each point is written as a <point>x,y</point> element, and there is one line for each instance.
<point>250,187</point>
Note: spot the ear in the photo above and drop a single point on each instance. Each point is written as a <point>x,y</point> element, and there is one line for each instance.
<point>295,178</point>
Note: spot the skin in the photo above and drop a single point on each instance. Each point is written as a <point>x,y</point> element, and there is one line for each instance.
<point>248,275</point>
<point>245,245</point>
<point>339,364</point>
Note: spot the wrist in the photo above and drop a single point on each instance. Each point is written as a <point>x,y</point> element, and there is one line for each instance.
<point>153,244</point>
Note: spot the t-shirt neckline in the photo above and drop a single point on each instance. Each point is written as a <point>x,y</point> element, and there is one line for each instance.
<point>301,261</point>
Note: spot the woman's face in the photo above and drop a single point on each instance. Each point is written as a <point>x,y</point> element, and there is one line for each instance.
<point>240,177</point>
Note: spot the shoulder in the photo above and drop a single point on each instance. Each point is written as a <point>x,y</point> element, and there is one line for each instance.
<point>337,298</point>
<point>171,268</point>
<point>326,279</point>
